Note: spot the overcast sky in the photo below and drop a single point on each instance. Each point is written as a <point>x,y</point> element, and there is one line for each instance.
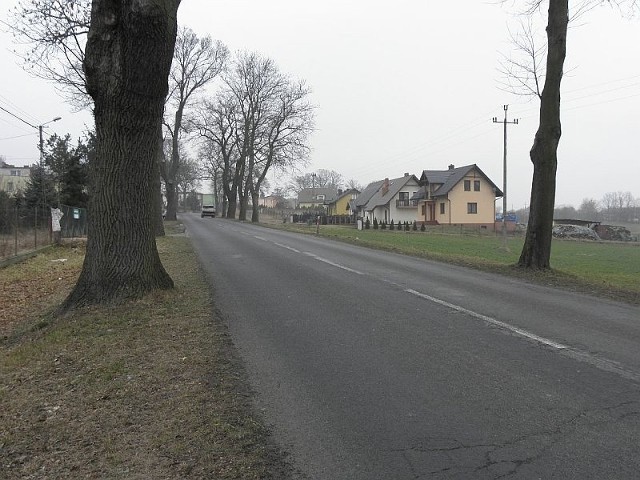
<point>406,85</point>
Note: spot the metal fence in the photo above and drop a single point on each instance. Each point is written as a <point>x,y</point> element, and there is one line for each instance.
<point>73,223</point>
<point>23,230</point>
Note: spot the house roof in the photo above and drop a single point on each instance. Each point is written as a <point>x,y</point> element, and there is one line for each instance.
<point>310,195</point>
<point>344,194</point>
<point>366,194</point>
<point>449,179</point>
<point>382,198</point>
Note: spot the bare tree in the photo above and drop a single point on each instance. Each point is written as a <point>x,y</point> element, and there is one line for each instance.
<point>266,120</point>
<point>127,61</point>
<point>523,70</point>
<point>536,251</point>
<point>353,184</point>
<point>55,34</point>
<point>283,137</point>
<point>217,123</point>
<point>196,62</point>
<point>526,78</point>
<point>589,209</point>
<point>320,179</point>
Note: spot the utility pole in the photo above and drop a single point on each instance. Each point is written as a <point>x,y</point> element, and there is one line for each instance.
<point>504,174</point>
<point>41,146</point>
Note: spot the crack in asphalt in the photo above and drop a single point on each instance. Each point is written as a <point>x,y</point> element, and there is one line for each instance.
<point>533,445</point>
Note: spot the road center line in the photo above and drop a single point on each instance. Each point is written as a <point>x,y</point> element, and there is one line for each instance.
<point>492,321</point>
<point>287,247</point>
<point>329,262</point>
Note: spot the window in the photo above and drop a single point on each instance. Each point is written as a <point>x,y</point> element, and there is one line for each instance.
<point>320,197</point>
<point>15,173</point>
<point>10,187</point>
<point>442,208</point>
<point>467,185</point>
<point>476,185</point>
<point>424,209</point>
<point>472,208</point>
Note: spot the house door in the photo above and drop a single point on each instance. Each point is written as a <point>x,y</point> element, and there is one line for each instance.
<point>432,212</point>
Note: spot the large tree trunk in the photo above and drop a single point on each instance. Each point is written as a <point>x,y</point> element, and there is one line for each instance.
<point>128,55</point>
<point>172,198</point>
<point>536,252</point>
<point>255,213</point>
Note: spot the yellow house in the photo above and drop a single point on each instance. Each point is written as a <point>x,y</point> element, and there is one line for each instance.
<point>457,196</point>
<point>341,205</point>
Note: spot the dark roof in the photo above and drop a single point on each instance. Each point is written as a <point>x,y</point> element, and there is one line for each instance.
<point>366,194</point>
<point>450,178</point>
<point>344,194</point>
<point>395,185</point>
<point>310,195</point>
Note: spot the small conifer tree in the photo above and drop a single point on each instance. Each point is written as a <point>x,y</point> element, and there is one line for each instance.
<point>391,226</point>
<point>375,223</point>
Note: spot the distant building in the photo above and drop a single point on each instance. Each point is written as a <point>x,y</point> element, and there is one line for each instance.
<point>316,197</point>
<point>13,179</point>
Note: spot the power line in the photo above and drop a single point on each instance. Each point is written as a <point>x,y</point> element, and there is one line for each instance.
<point>16,116</point>
<point>19,136</point>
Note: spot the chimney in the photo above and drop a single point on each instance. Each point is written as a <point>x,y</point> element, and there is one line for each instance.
<point>452,166</point>
<point>406,174</point>
<point>385,186</point>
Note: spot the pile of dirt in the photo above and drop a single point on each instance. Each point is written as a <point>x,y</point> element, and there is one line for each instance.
<point>574,231</point>
<point>614,232</point>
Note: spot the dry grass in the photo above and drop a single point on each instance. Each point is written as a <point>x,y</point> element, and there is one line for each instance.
<point>151,389</point>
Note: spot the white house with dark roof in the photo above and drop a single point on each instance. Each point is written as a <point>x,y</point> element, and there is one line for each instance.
<point>393,200</point>
<point>457,196</point>
<point>358,204</point>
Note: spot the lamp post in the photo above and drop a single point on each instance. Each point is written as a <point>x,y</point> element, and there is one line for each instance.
<point>40,127</point>
<point>42,179</point>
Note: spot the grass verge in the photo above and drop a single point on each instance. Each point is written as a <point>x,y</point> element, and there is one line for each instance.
<point>151,389</point>
<point>606,269</point>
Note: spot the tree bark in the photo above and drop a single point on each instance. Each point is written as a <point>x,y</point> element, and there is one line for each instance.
<point>536,252</point>
<point>127,60</point>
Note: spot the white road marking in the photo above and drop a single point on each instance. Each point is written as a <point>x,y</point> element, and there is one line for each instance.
<point>287,247</point>
<point>329,262</point>
<point>260,238</point>
<point>565,350</point>
<point>492,321</point>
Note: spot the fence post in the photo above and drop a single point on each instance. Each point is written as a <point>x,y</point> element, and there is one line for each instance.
<point>16,232</point>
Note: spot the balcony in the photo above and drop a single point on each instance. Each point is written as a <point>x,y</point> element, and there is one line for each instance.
<point>406,203</point>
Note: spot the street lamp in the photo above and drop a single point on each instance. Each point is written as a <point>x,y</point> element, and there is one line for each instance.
<point>44,190</point>
<point>40,127</point>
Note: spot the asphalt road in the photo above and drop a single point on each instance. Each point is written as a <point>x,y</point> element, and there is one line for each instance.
<point>371,365</point>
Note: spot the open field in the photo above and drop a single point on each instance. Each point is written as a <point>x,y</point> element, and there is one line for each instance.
<point>150,389</point>
<point>601,268</point>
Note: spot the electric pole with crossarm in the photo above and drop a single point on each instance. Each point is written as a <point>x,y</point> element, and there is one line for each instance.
<point>504,175</point>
